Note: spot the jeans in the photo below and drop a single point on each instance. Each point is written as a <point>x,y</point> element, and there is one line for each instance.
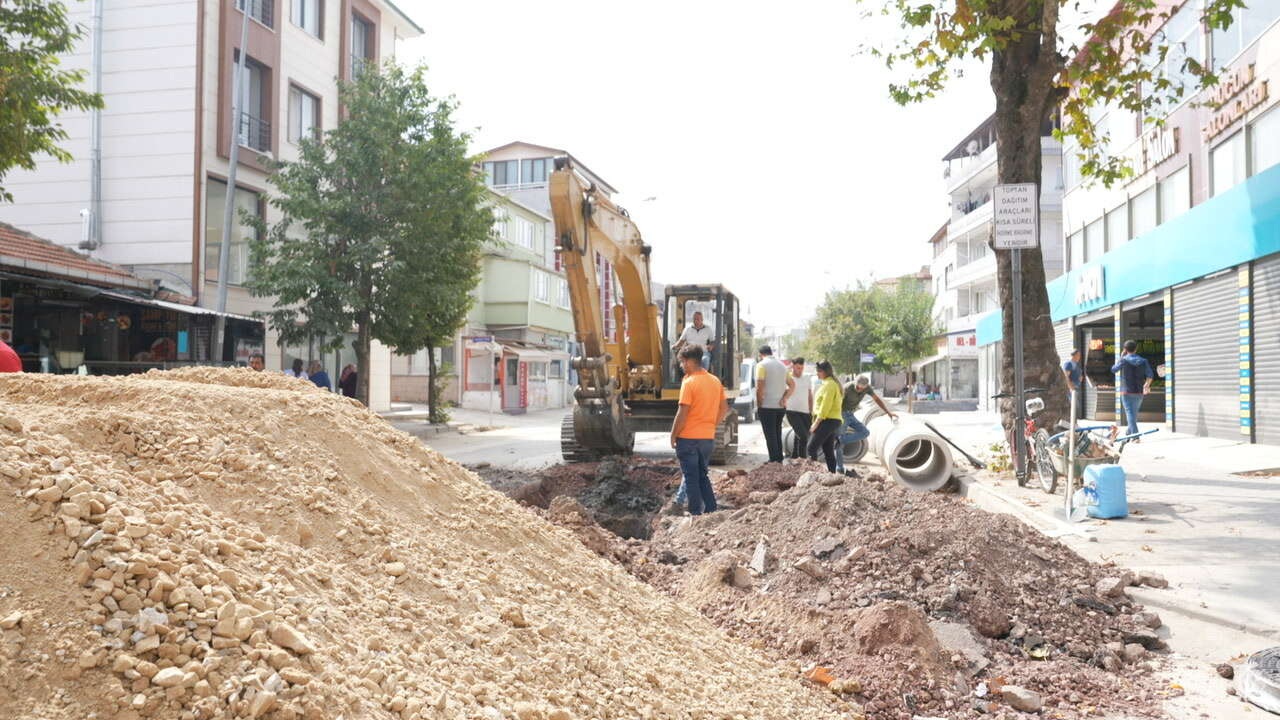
<point>851,431</point>
<point>771,424</point>
<point>695,456</point>
<point>825,438</point>
<point>1132,403</point>
<point>800,423</point>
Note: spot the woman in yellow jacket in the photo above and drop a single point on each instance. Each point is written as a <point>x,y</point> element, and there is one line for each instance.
<point>826,416</point>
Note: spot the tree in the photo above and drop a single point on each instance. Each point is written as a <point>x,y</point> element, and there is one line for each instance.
<point>903,326</point>
<point>381,224</point>
<point>33,90</point>
<point>1033,71</point>
<point>841,328</point>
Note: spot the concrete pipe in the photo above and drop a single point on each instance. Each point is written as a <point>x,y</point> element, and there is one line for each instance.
<point>909,451</point>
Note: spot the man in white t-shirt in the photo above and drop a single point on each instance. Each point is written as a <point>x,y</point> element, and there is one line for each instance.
<point>774,387</point>
<point>799,408</point>
<point>697,334</point>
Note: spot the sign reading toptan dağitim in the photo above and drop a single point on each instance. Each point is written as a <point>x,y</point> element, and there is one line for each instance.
<point>1016,210</point>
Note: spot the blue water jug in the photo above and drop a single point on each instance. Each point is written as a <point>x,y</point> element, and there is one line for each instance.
<point>1107,485</point>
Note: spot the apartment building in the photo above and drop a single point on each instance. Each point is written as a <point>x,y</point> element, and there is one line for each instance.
<point>1184,256</point>
<point>149,181</point>
<point>964,267</point>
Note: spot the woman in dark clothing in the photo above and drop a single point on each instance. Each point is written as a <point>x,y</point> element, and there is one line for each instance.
<point>347,381</point>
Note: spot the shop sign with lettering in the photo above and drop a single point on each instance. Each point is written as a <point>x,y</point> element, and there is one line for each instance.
<point>1234,96</point>
<point>1090,285</point>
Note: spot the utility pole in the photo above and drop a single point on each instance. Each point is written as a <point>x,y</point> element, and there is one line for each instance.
<point>228,210</point>
<point>1017,227</point>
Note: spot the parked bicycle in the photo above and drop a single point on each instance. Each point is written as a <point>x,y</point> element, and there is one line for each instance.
<point>1037,443</point>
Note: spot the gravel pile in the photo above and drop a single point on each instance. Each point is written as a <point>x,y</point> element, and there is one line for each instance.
<point>217,543</point>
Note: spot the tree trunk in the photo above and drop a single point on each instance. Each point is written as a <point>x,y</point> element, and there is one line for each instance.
<point>363,364</point>
<point>431,383</point>
<point>1022,79</point>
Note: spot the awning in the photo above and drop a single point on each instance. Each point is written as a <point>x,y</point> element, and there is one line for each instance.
<point>915,366</point>
<point>176,307</point>
<point>527,354</point>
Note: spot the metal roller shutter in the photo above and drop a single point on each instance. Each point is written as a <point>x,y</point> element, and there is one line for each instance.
<point>1266,350</point>
<point>1063,340</point>
<point>1206,358</point>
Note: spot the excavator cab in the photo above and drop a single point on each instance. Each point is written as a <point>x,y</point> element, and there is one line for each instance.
<point>717,309</point>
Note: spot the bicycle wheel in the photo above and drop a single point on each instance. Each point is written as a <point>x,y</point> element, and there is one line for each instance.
<point>1045,471</point>
<point>1020,471</point>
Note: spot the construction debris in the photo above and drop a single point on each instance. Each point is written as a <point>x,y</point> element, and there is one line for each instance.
<point>214,543</point>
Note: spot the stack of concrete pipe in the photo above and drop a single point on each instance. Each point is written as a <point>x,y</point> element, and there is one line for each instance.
<point>912,453</point>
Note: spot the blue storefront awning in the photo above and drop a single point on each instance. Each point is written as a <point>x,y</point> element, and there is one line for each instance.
<point>1240,225</point>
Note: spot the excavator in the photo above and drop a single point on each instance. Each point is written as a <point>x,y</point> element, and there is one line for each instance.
<point>631,384</point>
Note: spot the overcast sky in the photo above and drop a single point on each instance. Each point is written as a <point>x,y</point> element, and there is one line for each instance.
<point>777,163</point>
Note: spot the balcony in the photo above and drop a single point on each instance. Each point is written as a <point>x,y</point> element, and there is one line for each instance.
<point>255,133</point>
<point>977,215</point>
<point>975,271</point>
<point>970,167</point>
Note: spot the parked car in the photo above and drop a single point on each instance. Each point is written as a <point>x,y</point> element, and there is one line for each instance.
<point>745,403</point>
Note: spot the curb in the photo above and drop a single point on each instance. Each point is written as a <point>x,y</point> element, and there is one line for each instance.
<point>1040,522</point>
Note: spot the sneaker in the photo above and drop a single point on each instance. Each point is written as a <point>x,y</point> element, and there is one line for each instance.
<point>852,474</point>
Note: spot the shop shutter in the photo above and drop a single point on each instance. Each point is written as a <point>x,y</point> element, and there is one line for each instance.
<point>1206,358</point>
<point>1063,340</point>
<point>1266,350</point>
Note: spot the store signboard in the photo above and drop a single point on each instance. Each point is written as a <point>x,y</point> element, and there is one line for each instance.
<point>1016,208</point>
<point>963,345</point>
<point>1090,285</point>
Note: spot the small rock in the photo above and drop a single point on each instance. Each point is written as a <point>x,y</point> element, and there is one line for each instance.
<point>286,636</point>
<point>394,569</point>
<point>740,577</point>
<point>11,424</point>
<point>49,494</point>
<point>168,677</point>
<point>11,621</point>
<point>1133,652</point>
<point>1152,579</point>
<point>825,546</point>
<point>295,676</point>
<point>811,567</point>
<point>261,703</point>
<point>762,497</point>
<point>514,616</point>
<point>807,480</point>
<point>1112,587</point>
<point>807,645</point>
<point>824,597</point>
<point>1226,670</point>
<point>1147,618</point>
<point>830,479</point>
<point>1021,698</point>
<point>1146,638</point>
<point>1107,660</point>
<point>760,558</point>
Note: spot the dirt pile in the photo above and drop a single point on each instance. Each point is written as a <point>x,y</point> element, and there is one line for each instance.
<point>223,544</point>
<point>623,494</point>
<point>845,574</point>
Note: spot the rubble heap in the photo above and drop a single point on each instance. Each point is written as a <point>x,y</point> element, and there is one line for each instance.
<point>215,543</point>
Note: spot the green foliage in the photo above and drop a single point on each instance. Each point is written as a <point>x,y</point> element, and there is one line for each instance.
<point>382,224</point>
<point>33,88</point>
<point>897,326</point>
<point>1116,64</point>
<point>438,412</point>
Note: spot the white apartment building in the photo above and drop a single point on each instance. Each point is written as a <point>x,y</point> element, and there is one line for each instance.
<point>148,184</point>
<point>964,266</point>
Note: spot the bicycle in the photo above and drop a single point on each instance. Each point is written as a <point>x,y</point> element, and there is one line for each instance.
<point>1037,440</point>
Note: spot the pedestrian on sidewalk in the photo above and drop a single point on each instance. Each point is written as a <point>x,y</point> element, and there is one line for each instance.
<point>1135,382</point>
<point>257,362</point>
<point>1073,371</point>
<point>693,433</point>
<point>317,375</point>
<point>9,360</point>
<point>347,380</point>
<point>799,408</point>
<point>296,370</point>
<point>773,388</point>
<point>826,416</point>
<point>852,429</point>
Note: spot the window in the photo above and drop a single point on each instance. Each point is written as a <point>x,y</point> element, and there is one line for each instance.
<point>307,14</point>
<point>1094,241</point>
<point>1265,140</point>
<point>524,233</point>
<point>562,296</point>
<point>1118,227</point>
<point>556,370</point>
<point>214,206</point>
<point>1227,163</point>
<point>1075,250</point>
<point>1185,39</point>
<point>534,171</point>
<point>304,115</point>
<point>513,372</point>
<point>1071,165</point>
<point>541,286</point>
<point>1175,194</point>
<point>946,277</point>
<point>538,371</point>
<point>361,44</point>
<point>1247,25</point>
<point>502,172</point>
<point>1142,212</point>
<point>261,10</point>
<point>254,130</point>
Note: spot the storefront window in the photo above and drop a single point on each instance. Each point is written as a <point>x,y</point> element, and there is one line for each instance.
<point>1118,227</point>
<point>1142,212</point>
<point>215,201</point>
<point>556,371</point>
<point>1228,164</point>
<point>1265,137</point>
<point>1175,194</point>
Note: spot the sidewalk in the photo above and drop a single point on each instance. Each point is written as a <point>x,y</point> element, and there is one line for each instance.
<point>1213,533</point>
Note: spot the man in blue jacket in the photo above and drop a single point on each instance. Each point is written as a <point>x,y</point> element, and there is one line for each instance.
<point>1135,382</point>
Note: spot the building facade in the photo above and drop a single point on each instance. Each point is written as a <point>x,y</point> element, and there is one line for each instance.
<point>1184,257</point>
<point>964,267</point>
<point>149,181</point>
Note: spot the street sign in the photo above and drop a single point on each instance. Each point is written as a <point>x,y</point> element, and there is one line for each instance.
<point>1016,211</point>
<point>868,357</point>
<point>481,339</point>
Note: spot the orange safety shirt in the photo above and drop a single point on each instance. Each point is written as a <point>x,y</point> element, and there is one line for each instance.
<point>704,395</point>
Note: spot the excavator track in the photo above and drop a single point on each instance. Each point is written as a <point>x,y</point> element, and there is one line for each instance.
<point>570,449</point>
